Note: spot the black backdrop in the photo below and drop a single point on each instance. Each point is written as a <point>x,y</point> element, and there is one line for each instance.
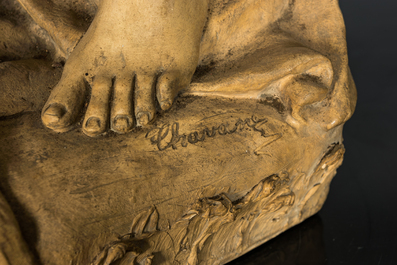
<point>358,223</point>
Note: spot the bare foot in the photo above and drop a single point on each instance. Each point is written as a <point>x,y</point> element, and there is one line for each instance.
<point>134,53</point>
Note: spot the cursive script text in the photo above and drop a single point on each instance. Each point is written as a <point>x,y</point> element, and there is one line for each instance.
<point>163,141</point>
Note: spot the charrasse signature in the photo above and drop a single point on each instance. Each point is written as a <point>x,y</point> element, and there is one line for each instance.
<point>163,142</point>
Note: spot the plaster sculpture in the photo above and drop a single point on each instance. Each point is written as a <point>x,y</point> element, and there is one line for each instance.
<point>166,131</point>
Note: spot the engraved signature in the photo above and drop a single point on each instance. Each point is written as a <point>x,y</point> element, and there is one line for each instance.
<point>194,137</point>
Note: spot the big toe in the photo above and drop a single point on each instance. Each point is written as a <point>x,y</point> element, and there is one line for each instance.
<point>63,106</point>
<point>53,114</point>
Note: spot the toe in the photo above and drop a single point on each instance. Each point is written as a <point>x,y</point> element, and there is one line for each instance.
<point>144,99</point>
<point>54,113</point>
<point>166,90</point>
<point>97,114</point>
<point>122,123</point>
<point>64,104</point>
<point>121,120</point>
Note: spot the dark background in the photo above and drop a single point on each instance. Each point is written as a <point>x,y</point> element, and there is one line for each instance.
<point>358,223</point>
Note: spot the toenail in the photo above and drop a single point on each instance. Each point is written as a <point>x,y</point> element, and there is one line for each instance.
<point>142,118</point>
<point>93,124</point>
<point>122,123</point>
<point>166,104</point>
<point>54,113</point>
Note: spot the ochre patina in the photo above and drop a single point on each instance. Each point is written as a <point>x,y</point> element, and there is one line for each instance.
<point>165,131</point>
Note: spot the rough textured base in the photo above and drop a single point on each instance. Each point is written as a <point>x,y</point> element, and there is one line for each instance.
<point>210,180</point>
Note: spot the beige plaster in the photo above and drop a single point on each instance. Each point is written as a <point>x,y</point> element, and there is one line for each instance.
<point>166,132</point>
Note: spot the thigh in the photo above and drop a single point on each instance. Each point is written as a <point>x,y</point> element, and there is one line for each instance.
<point>17,40</point>
<point>25,85</point>
<point>236,27</point>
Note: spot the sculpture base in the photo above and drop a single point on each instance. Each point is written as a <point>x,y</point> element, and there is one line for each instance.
<point>208,181</point>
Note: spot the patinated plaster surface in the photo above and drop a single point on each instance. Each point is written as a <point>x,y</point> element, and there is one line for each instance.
<point>263,176</point>
<point>188,136</point>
